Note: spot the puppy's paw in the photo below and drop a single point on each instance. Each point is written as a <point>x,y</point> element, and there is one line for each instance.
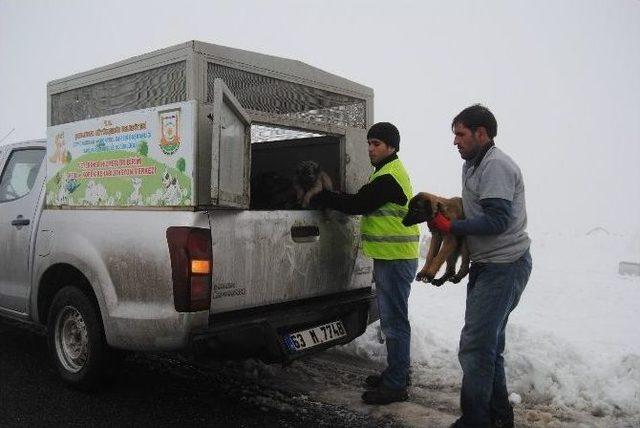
<point>306,198</point>
<point>455,279</point>
<point>438,282</point>
<point>423,277</point>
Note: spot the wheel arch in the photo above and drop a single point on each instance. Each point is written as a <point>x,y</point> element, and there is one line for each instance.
<point>53,280</point>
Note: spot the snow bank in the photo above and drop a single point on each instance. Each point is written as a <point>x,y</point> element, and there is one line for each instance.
<point>573,341</point>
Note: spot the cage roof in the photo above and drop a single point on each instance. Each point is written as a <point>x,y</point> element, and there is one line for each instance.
<point>270,65</point>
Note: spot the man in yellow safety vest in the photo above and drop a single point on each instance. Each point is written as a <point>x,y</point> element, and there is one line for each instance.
<point>394,249</point>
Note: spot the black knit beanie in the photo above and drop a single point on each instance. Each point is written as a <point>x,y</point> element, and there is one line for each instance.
<point>385,131</point>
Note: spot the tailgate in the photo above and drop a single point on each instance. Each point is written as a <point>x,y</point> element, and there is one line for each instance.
<point>267,257</point>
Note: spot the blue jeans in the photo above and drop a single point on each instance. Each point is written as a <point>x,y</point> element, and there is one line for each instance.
<point>393,280</point>
<point>493,291</point>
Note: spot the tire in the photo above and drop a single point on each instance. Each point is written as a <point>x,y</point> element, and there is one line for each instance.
<point>76,340</point>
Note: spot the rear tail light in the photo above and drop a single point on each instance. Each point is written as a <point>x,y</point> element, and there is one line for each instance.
<point>191,262</point>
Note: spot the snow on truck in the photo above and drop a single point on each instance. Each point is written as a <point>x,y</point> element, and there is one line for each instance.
<point>154,216</point>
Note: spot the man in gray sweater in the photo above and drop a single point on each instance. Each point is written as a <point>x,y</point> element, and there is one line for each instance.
<point>496,219</point>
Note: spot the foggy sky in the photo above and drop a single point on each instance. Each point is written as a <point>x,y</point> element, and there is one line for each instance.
<point>562,78</point>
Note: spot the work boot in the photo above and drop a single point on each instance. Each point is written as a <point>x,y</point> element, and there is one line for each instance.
<point>385,395</point>
<point>502,423</point>
<point>496,423</point>
<point>504,419</point>
<point>374,381</point>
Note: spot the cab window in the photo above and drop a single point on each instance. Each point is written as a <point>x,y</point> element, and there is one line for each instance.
<point>20,172</point>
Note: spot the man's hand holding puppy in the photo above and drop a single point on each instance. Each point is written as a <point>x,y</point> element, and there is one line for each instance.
<point>440,223</point>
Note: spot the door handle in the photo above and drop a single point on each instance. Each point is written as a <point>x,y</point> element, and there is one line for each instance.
<point>20,221</point>
<point>305,233</point>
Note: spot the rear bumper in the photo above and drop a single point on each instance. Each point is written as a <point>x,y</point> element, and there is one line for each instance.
<point>258,332</point>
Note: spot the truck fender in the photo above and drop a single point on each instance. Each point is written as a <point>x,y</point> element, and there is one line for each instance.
<point>96,274</point>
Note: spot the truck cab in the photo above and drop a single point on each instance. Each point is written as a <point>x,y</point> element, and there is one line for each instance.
<point>20,194</point>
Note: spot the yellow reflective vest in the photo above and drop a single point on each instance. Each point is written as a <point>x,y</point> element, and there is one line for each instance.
<point>383,234</point>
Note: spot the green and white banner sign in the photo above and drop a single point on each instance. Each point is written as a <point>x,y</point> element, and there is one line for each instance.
<point>140,158</point>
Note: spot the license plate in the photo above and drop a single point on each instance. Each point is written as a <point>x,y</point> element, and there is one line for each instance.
<point>305,339</point>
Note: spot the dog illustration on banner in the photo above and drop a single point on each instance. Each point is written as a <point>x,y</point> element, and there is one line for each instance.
<point>59,155</point>
<point>95,194</point>
<point>66,186</point>
<point>172,191</point>
<point>136,196</point>
<point>170,194</point>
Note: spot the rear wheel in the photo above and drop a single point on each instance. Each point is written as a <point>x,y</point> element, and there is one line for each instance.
<point>76,339</point>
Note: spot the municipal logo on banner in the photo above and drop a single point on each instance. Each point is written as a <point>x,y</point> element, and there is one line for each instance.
<point>169,126</point>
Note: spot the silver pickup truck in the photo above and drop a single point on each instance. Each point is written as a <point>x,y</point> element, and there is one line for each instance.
<point>152,217</point>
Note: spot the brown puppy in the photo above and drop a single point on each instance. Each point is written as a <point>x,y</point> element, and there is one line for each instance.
<point>444,246</point>
<point>309,181</point>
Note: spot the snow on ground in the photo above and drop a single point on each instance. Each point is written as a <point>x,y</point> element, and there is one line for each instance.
<point>573,343</point>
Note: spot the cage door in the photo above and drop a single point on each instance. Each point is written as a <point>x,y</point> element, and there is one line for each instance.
<point>357,164</point>
<point>230,150</point>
